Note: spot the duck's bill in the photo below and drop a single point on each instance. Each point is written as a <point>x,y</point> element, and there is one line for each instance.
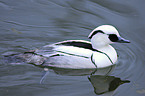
<point>122,40</point>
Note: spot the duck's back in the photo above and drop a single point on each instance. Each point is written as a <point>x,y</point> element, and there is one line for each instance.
<point>70,47</point>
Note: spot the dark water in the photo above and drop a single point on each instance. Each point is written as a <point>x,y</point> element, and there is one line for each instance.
<point>30,24</point>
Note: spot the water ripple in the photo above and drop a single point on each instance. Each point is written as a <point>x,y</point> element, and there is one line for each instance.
<point>26,25</point>
<point>128,62</point>
<point>5,6</point>
<point>117,7</point>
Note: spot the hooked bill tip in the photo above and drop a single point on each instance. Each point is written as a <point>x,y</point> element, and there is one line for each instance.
<point>122,40</point>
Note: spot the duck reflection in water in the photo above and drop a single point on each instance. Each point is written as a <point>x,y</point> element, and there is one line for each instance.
<point>100,80</point>
<point>104,84</point>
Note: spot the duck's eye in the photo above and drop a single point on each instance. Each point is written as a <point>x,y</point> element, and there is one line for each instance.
<point>113,37</point>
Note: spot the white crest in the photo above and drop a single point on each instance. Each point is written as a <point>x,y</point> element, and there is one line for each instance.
<point>107,29</point>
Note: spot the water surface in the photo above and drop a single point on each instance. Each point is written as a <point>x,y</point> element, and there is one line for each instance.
<point>31,24</point>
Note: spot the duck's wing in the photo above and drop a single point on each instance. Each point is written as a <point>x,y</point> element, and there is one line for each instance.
<point>76,47</point>
<point>76,43</point>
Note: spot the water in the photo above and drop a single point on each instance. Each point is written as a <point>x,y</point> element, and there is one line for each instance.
<point>30,24</point>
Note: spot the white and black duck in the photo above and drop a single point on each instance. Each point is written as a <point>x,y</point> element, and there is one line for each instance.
<point>78,54</point>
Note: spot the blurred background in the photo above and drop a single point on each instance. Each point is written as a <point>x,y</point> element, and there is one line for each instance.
<point>31,24</point>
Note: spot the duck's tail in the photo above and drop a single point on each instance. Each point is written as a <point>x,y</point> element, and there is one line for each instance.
<point>26,57</point>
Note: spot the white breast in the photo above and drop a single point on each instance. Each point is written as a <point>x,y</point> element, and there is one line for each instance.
<point>102,60</point>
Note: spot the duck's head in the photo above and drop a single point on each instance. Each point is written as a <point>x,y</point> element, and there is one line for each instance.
<point>105,35</point>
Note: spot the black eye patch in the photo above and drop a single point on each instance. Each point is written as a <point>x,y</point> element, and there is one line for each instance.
<point>113,37</point>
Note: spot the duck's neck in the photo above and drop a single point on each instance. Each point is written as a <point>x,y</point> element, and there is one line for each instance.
<point>99,42</point>
<point>103,48</point>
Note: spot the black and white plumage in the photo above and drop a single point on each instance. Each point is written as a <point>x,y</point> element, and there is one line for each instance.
<point>78,54</point>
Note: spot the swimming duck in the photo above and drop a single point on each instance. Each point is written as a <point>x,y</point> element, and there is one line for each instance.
<point>78,54</point>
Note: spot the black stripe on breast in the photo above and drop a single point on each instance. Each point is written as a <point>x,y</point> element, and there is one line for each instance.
<point>84,45</point>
